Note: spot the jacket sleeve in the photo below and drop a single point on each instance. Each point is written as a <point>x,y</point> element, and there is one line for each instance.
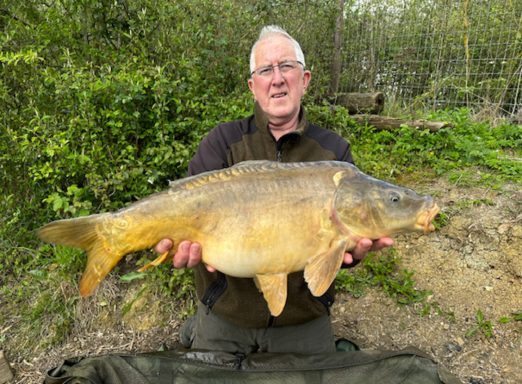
<point>347,155</point>
<point>211,154</point>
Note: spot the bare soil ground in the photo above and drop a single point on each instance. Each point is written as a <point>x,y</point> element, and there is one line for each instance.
<point>472,264</point>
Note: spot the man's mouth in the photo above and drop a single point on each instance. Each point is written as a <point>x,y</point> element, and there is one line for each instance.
<point>278,95</point>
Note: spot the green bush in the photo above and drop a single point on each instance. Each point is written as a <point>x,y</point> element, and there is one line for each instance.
<point>390,153</point>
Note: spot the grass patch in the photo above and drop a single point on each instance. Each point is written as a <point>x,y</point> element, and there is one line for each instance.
<point>169,281</point>
<point>469,153</point>
<point>485,327</point>
<point>515,316</point>
<point>382,270</point>
<point>41,296</point>
<point>482,325</point>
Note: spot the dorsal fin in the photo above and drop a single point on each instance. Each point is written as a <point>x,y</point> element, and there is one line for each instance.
<point>250,167</point>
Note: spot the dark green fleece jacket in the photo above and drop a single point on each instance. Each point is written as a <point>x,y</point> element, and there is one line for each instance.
<point>237,299</point>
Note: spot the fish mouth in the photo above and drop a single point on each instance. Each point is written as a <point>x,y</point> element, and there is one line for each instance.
<point>425,219</point>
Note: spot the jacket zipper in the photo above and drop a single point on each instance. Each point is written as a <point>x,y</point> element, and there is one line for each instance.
<point>279,150</point>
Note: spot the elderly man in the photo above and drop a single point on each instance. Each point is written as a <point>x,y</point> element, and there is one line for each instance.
<point>232,315</point>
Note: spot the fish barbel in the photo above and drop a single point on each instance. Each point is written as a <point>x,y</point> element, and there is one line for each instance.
<point>257,219</point>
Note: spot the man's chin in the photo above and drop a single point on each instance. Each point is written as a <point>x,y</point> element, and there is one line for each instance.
<point>281,111</point>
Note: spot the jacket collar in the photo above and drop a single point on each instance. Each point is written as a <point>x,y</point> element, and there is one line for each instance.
<point>262,121</point>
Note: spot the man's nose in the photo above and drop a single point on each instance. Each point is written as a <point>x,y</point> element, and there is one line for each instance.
<point>277,77</point>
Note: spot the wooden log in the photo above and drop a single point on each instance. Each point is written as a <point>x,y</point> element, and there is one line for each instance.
<point>361,102</point>
<point>391,123</point>
<point>6,374</point>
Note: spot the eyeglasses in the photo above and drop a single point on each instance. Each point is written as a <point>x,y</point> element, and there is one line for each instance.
<point>284,67</point>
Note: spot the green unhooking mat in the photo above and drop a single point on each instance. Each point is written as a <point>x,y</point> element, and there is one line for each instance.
<point>408,366</point>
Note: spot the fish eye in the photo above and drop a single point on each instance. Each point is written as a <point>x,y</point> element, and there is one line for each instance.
<point>395,197</point>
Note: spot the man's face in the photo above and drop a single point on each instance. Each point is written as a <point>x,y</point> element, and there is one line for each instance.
<point>279,95</point>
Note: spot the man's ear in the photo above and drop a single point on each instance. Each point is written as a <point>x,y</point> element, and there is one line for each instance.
<point>251,85</point>
<point>307,76</point>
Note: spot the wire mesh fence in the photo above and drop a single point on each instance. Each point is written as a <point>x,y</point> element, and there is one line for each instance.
<point>436,53</point>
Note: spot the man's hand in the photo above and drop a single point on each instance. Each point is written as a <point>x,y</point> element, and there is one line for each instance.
<point>188,254</point>
<point>364,246</point>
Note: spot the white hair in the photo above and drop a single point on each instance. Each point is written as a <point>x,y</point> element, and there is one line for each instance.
<point>271,30</point>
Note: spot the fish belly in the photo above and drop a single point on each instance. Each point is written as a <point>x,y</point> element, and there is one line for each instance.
<point>268,235</point>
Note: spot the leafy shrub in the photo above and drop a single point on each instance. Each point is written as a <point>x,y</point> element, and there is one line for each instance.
<point>388,154</point>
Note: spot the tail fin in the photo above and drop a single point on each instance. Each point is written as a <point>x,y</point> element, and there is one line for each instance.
<point>82,233</point>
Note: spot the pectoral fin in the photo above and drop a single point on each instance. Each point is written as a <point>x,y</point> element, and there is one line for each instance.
<point>321,269</point>
<point>157,261</point>
<point>274,291</point>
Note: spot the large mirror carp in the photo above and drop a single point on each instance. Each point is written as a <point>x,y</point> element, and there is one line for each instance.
<point>257,219</point>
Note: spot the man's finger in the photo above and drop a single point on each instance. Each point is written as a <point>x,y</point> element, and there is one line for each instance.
<point>382,243</point>
<point>348,259</point>
<point>184,247</point>
<point>362,247</point>
<point>163,246</point>
<point>181,257</point>
<point>194,255</point>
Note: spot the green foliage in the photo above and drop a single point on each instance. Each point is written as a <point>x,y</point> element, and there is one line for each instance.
<point>382,271</point>
<point>495,150</point>
<point>481,325</point>
<point>515,316</point>
<point>466,145</point>
<point>124,133</point>
<point>178,283</point>
<point>45,297</point>
<point>334,117</point>
<point>70,203</point>
<point>441,220</point>
<point>109,115</point>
